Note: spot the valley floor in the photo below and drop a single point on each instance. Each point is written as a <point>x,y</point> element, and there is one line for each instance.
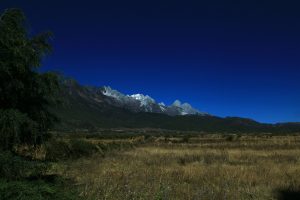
<point>211,167</point>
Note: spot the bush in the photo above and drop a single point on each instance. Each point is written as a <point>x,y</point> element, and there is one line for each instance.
<point>16,128</point>
<point>61,150</point>
<point>81,148</point>
<point>35,190</point>
<point>232,138</point>
<point>15,167</point>
<point>185,139</point>
<point>57,150</point>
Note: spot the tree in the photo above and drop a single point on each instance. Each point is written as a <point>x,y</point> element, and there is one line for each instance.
<point>25,94</point>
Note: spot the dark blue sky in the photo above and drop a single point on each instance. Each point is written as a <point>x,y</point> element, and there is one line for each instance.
<point>228,58</point>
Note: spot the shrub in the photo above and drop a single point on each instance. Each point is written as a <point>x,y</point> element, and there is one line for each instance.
<point>35,190</point>
<point>61,150</point>
<point>15,167</point>
<point>232,137</point>
<point>185,139</point>
<point>16,128</point>
<point>57,150</point>
<point>81,148</point>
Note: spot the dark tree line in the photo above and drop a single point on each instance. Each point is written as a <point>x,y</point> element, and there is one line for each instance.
<point>25,93</point>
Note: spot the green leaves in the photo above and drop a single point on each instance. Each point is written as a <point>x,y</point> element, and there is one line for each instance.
<point>25,94</point>
<point>16,128</point>
<point>15,42</point>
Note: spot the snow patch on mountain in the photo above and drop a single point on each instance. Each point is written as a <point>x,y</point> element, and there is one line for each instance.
<point>108,91</point>
<point>162,106</point>
<point>177,103</point>
<point>186,108</point>
<point>145,100</point>
<point>145,103</point>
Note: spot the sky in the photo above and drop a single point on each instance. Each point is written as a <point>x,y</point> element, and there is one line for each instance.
<point>227,58</point>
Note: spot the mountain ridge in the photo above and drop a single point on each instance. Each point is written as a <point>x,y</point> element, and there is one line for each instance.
<point>88,108</point>
<point>145,103</point>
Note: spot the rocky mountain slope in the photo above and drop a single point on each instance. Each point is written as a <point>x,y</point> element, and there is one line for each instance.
<point>92,108</point>
<point>144,103</point>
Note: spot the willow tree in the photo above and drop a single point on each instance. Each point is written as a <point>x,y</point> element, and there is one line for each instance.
<point>25,94</point>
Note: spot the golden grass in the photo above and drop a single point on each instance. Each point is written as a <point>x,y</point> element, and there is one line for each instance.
<point>206,168</point>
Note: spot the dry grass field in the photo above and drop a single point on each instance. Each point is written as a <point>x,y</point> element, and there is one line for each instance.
<point>207,167</point>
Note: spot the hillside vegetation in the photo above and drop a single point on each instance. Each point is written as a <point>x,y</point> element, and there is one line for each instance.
<point>85,108</point>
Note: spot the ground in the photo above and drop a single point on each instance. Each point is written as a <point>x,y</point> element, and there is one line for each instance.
<point>206,167</point>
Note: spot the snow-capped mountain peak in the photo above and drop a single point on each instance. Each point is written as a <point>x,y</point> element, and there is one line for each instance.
<point>108,91</point>
<point>145,100</point>
<point>185,108</point>
<point>162,104</point>
<point>145,103</point>
<point>177,103</point>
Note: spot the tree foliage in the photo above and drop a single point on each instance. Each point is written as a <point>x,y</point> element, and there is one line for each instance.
<point>25,93</point>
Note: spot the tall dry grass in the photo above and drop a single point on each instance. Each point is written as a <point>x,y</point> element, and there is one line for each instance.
<point>211,167</point>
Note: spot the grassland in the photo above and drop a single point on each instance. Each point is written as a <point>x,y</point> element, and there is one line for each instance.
<point>204,167</point>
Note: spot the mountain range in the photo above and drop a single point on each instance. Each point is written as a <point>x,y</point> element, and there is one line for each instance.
<point>144,103</point>
<point>86,107</point>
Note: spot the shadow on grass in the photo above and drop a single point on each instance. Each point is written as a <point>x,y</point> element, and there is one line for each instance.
<point>51,178</point>
<point>46,187</point>
<point>288,194</point>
